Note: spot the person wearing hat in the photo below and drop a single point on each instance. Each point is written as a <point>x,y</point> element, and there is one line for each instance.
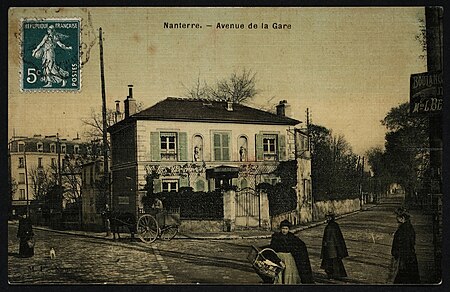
<point>406,270</point>
<point>333,249</point>
<point>25,235</point>
<point>294,255</point>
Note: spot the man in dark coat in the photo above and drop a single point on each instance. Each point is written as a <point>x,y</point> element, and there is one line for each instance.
<point>403,250</point>
<point>333,249</point>
<point>286,242</point>
<point>25,234</point>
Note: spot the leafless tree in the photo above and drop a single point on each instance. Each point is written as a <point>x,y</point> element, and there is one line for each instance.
<point>42,181</point>
<point>238,88</point>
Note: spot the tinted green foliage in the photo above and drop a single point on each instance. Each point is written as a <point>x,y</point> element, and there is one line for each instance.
<point>336,170</point>
<point>193,205</point>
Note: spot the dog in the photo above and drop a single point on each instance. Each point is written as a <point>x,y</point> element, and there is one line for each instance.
<point>52,253</point>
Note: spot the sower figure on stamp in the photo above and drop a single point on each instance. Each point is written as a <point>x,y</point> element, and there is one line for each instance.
<point>333,249</point>
<point>46,51</point>
<point>25,235</point>
<point>404,266</point>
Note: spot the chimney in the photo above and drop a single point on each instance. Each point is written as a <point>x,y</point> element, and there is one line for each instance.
<point>283,109</point>
<point>229,106</point>
<point>130,103</point>
<point>117,106</point>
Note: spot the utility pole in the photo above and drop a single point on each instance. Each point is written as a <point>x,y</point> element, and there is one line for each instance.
<point>26,178</point>
<point>58,151</point>
<point>105,124</point>
<point>106,190</point>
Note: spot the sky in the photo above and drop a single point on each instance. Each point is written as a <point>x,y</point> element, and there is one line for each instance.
<point>349,66</point>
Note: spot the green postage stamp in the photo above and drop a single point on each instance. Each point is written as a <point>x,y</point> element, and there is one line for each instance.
<point>51,55</point>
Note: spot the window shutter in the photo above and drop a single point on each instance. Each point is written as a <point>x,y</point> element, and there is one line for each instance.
<point>154,146</point>
<point>225,147</point>
<point>156,186</point>
<point>184,182</point>
<point>282,147</point>
<point>182,146</point>
<point>259,147</point>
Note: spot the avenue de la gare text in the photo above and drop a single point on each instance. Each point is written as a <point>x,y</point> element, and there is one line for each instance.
<point>222,25</point>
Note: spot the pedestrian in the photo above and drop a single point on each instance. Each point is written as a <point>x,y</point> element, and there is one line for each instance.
<point>404,267</point>
<point>333,249</point>
<point>26,237</point>
<point>294,255</point>
<point>157,205</point>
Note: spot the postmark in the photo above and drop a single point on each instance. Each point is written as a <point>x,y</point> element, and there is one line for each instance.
<point>50,54</point>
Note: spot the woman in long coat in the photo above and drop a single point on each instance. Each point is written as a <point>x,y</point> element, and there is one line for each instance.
<point>25,235</point>
<point>403,251</point>
<point>333,249</point>
<point>294,254</point>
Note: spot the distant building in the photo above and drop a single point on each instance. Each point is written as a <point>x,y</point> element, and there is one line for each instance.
<point>202,144</point>
<point>34,155</point>
<point>92,173</point>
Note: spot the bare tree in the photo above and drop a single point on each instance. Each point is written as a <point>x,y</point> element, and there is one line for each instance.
<point>238,88</point>
<point>41,182</point>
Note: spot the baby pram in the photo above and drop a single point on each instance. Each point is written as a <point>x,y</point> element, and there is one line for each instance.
<point>265,262</point>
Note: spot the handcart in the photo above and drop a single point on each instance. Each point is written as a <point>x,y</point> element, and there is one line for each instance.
<point>163,224</point>
<point>265,262</point>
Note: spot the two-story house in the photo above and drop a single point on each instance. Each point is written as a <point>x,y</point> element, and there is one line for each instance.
<point>203,144</point>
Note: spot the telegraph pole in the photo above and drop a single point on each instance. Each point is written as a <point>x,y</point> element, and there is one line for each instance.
<point>105,124</point>
<point>26,178</point>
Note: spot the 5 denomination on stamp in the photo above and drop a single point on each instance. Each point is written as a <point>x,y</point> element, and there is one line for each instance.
<point>51,55</point>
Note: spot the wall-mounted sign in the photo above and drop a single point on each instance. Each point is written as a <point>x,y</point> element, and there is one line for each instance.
<point>122,200</point>
<point>426,93</point>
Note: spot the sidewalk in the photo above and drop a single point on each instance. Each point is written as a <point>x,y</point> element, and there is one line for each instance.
<point>237,234</point>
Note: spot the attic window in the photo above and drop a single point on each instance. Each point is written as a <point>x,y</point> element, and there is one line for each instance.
<point>209,104</point>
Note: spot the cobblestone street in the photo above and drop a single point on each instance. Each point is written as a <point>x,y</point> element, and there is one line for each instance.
<point>84,259</point>
<point>368,236</point>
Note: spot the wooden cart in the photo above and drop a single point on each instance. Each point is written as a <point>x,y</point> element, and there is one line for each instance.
<point>155,224</point>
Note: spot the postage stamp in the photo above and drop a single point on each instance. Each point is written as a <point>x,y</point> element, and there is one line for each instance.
<point>51,55</point>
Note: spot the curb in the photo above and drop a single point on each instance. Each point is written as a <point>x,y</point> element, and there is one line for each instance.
<point>199,237</point>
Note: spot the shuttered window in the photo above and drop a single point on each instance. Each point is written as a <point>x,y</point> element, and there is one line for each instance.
<point>221,145</point>
<point>168,143</point>
<point>270,147</point>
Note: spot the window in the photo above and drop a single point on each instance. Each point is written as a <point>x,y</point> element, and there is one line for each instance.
<point>76,149</point>
<point>168,146</point>
<point>40,162</point>
<point>21,147</point>
<point>221,147</point>
<point>21,178</point>
<point>22,194</point>
<point>52,148</point>
<point>53,162</point>
<point>63,148</point>
<point>21,164</point>
<point>270,147</point>
<point>40,147</point>
<point>169,185</point>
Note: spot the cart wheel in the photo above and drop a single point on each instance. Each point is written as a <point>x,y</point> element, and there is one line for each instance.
<point>147,228</point>
<point>169,232</point>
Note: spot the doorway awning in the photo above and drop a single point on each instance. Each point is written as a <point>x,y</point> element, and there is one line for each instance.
<point>222,171</point>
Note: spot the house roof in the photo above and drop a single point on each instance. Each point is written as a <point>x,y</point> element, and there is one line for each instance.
<point>202,110</point>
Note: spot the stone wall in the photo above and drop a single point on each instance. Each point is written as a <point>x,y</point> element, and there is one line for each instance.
<point>338,207</point>
<point>292,216</point>
<point>200,226</point>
